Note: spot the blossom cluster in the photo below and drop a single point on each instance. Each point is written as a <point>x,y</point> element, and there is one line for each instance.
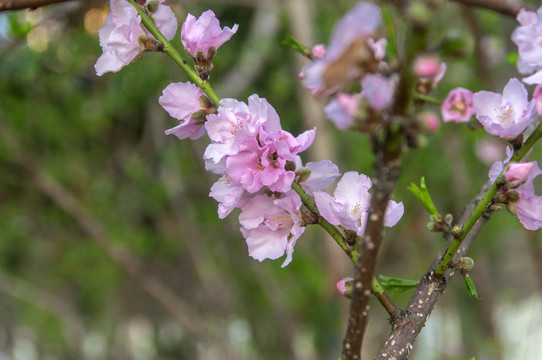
<point>123,38</point>
<point>352,53</point>
<point>256,159</point>
<point>508,116</point>
<point>518,189</point>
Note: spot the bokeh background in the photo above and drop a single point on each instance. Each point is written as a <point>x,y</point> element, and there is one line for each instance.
<point>110,247</point>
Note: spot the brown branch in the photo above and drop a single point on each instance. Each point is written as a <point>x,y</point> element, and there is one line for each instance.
<point>510,8</point>
<point>386,174</point>
<point>8,5</point>
<point>393,311</point>
<point>406,330</point>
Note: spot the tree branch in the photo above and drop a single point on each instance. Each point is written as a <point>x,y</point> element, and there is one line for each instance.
<point>387,170</point>
<point>406,330</point>
<point>510,8</point>
<point>8,5</point>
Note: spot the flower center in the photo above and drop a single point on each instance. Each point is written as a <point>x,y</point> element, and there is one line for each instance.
<point>279,221</point>
<point>506,115</point>
<point>356,211</point>
<point>234,127</point>
<point>259,165</point>
<point>226,180</point>
<point>459,107</point>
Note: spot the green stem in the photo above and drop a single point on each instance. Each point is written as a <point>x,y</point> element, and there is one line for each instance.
<point>482,206</point>
<point>174,54</point>
<point>427,99</point>
<point>308,201</point>
<point>377,287</point>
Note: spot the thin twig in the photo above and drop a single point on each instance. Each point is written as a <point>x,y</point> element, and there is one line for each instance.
<point>510,8</point>
<point>8,5</point>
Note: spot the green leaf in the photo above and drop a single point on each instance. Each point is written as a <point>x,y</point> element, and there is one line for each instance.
<point>423,195</point>
<point>18,27</point>
<point>294,44</point>
<point>471,289</point>
<point>512,58</point>
<point>396,284</point>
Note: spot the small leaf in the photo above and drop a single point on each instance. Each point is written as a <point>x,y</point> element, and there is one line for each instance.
<point>294,44</point>
<point>396,284</point>
<point>423,195</point>
<point>512,58</point>
<point>471,289</point>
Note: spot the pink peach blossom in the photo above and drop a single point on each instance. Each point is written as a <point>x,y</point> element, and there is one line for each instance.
<point>350,204</point>
<point>272,226</point>
<point>458,106</point>
<point>204,33</point>
<point>505,115</point>
<point>182,101</point>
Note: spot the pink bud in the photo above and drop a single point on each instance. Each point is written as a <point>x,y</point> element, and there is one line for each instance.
<point>426,66</point>
<point>345,287</point>
<point>517,173</point>
<point>348,102</point>
<point>430,122</point>
<point>318,51</point>
<point>378,47</point>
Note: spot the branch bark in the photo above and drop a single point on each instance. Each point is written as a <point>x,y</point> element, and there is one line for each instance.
<point>406,330</point>
<point>386,174</point>
<point>8,5</point>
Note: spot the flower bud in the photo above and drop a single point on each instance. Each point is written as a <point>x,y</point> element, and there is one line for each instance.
<point>429,122</point>
<point>430,71</point>
<point>152,5</point>
<point>517,173</point>
<point>434,226</point>
<point>465,264</point>
<point>344,287</point>
<point>426,66</point>
<point>289,166</point>
<point>303,173</point>
<point>456,231</point>
<point>318,51</point>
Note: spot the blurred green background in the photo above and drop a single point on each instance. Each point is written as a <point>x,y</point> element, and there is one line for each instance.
<point>110,247</point>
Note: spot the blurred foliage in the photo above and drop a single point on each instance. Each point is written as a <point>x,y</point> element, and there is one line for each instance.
<point>101,139</point>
